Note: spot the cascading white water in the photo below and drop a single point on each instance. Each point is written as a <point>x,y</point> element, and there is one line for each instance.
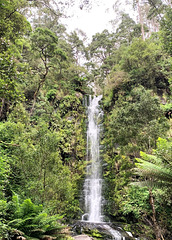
<point>93,181</point>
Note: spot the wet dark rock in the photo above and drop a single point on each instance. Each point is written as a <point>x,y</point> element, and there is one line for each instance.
<point>100,230</point>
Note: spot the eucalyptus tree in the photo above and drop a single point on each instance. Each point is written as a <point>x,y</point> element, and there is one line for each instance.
<point>44,44</point>
<point>101,46</point>
<point>100,51</point>
<point>157,8</point>
<point>140,16</point>
<point>149,15</point>
<point>127,30</point>
<point>77,47</point>
<point>46,18</point>
<point>46,4</point>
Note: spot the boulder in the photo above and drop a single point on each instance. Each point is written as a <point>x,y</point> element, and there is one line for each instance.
<point>82,237</point>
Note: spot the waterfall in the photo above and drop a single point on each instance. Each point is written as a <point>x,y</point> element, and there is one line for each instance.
<point>93,181</point>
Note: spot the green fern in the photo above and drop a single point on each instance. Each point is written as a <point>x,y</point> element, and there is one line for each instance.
<point>156,171</point>
<point>30,219</point>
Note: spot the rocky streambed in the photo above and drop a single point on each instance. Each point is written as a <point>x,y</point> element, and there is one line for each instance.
<point>90,230</point>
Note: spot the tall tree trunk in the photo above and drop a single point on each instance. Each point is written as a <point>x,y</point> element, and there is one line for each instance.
<point>141,20</point>
<point>35,97</point>
<point>44,185</point>
<point>157,229</point>
<point>38,88</point>
<point>2,107</point>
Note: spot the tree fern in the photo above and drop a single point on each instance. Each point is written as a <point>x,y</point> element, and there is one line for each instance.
<point>156,171</point>
<point>153,168</point>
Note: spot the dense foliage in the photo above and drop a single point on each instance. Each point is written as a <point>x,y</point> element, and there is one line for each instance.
<point>137,106</point>
<point>42,129</point>
<point>43,120</point>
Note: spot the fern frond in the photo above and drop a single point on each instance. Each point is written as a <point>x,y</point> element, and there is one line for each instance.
<point>151,170</point>
<point>15,222</point>
<point>40,231</point>
<point>151,184</point>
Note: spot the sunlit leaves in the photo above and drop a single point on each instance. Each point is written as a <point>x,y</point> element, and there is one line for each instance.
<point>12,23</point>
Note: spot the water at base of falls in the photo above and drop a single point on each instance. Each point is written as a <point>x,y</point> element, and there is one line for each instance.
<point>117,235</point>
<point>105,229</point>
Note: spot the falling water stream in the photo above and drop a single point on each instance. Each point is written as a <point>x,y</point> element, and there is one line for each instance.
<point>93,181</point>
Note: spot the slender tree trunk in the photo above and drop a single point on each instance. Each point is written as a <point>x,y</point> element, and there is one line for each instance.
<point>141,20</point>
<point>44,185</point>
<point>157,229</point>
<point>2,107</point>
<point>35,97</point>
<point>38,88</point>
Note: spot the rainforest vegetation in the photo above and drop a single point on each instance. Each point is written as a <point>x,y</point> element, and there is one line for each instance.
<point>44,77</point>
